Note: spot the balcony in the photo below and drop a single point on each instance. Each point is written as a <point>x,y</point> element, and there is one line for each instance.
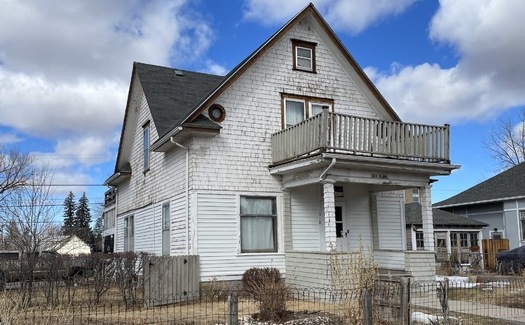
<point>359,136</point>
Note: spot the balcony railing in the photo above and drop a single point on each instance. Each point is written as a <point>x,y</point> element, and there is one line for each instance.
<point>345,134</point>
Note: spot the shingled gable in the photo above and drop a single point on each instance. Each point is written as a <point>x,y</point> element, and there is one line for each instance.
<point>170,97</point>
<point>509,184</point>
<point>252,58</point>
<point>413,216</point>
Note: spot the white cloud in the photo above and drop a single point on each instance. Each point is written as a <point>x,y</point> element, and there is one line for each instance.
<point>488,78</point>
<point>9,138</point>
<point>65,66</point>
<point>350,15</point>
<point>216,69</point>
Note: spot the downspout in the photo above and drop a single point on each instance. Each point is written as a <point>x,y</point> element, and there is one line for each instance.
<point>187,193</point>
<point>323,174</point>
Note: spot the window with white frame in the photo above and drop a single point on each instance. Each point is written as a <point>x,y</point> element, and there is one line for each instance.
<point>297,109</point>
<point>166,228</point>
<point>522,223</point>
<point>146,140</point>
<point>129,233</point>
<point>454,239</point>
<point>463,239</point>
<point>109,219</point>
<point>474,240</point>
<point>304,55</point>
<point>420,243</point>
<point>258,224</point>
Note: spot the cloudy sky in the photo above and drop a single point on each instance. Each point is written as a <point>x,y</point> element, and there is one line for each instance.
<point>65,68</point>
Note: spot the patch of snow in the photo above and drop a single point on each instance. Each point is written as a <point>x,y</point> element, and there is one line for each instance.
<point>423,318</point>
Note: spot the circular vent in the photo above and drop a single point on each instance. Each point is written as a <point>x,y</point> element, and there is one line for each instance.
<point>217,113</point>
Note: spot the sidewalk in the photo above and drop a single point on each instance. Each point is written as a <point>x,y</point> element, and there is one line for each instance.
<point>514,315</point>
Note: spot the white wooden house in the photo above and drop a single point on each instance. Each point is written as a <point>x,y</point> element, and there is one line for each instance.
<point>292,154</point>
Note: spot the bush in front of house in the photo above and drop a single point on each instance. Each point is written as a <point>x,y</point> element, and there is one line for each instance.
<point>267,287</point>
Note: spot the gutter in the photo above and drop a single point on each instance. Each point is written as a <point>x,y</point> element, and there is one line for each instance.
<point>323,174</point>
<point>165,138</point>
<point>187,191</point>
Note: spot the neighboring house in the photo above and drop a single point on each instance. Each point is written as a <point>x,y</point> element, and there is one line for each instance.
<point>66,245</point>
<point>452,233</point>
<point>499,201</point>
<point>274,164</point>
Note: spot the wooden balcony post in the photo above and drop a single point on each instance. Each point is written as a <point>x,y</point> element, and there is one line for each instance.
<point>325,137</point>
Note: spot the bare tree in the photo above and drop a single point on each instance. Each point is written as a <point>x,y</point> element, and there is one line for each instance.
<point>506,143</point>
<point>15,170</point>
<point>29,215</point>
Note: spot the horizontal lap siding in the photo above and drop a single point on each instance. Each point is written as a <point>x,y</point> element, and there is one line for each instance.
<point>390,222</point>
<point>305,205</point>
<point>307,270</point>
<point>218,240</point>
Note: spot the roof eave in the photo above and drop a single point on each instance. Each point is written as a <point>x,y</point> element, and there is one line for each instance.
<point>479,202</point>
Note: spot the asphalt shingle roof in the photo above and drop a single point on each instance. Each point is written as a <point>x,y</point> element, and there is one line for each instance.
<point>171,97</point>
<point>508,184</point>
<point>413,216</point>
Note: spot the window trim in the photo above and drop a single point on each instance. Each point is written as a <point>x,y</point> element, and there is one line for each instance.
<point>146,144</point>
<point>304,45</point>
<point>307,101</point>
<point>420,240</point>
<point>521,214</point>
<point>275,224</point>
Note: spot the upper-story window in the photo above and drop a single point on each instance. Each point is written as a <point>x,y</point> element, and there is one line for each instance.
<point>522,222</point>
<point>297,109</point>
<point>303,55</point>
<point>145,136</point>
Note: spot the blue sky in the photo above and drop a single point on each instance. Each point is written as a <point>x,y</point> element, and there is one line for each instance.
<point>65,68</point>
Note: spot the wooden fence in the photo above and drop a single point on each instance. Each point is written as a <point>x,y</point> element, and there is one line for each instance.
<point>490,248</point>
<point>168,279</point>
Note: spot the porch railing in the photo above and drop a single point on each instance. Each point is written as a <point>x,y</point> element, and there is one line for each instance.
<point>338,133</point>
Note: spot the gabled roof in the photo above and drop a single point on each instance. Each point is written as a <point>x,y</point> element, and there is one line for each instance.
<point>509,184</point>
<point>173,93</point>
<point>252,58</point>
<point>413,216</point>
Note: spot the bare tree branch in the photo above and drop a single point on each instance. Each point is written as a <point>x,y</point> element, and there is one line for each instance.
<point>506,143</point>
<point>15,170</point>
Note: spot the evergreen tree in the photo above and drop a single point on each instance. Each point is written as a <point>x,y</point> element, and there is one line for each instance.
<point>83,219</point>
<point>69,226</point>
<point>97,234</point>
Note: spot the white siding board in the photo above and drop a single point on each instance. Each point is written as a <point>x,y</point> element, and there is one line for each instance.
<point>218,239</point>
<point>305,207</point>
<point>390,222</point>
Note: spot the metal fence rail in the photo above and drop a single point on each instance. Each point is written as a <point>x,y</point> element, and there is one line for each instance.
<point>453,301</point>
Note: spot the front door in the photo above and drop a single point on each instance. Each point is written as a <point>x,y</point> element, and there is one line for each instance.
<point>341,228</point>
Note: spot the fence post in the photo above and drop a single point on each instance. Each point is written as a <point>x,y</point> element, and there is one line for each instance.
<point>404,300</point>
<point>367,307</point>
<point>233,309</point>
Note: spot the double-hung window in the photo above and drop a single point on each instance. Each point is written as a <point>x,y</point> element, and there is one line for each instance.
<point>145,136</point>
<point>129,233</point>
<point>166,228</point>
<point>297,109</point>
<point>303,55</point>
<point>420,242</point>
<point>522,224</point>
<point>258,224</point>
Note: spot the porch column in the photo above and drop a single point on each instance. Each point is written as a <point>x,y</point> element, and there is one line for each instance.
<point>329,214</point>
<point>426,214</point>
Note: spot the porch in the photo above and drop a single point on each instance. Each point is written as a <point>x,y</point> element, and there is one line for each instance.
<point>343,178</point>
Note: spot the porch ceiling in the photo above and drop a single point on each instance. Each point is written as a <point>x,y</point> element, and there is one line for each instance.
<point>384,173</point>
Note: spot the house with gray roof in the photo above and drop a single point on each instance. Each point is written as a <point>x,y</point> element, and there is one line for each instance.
<point>499,201</point>
<point>452,233</point>
<point>276,164</point>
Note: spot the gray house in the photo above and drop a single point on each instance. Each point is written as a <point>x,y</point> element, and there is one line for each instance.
<point>499,201</point>
<point>452,233</point>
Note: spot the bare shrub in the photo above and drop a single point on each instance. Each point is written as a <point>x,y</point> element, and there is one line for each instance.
<point>215,290</point>
<point>354,275</point>
<point>99,276</point>
<point>267,287</point>
<point>128,269</point>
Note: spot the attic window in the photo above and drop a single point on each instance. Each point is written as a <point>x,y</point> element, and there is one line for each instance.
<point>217,113</point>
<point>303,55</point>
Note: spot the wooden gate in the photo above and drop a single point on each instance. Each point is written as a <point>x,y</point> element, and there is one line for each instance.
<point>170,279</point>
<point>490,248</point>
